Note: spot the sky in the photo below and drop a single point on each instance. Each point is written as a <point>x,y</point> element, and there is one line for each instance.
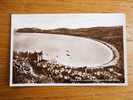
<point>82,20</point>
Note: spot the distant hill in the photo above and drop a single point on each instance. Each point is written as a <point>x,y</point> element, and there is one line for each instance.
<point>85,32</point>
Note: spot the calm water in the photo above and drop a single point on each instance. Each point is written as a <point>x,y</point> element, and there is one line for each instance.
<point>67,50</point>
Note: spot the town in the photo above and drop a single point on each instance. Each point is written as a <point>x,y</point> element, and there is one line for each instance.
<point>32,68</point>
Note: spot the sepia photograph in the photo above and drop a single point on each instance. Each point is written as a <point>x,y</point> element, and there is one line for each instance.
<point>81,49</point>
